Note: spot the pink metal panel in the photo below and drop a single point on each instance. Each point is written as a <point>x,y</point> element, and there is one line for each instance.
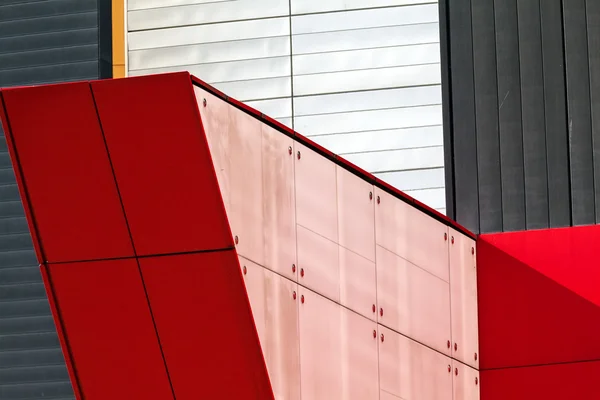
<point>275,311</point>
<point>465,382</point>
<point>360,377</point>
<point>246,189</point>
<point>463,292</point>
<point>412,301</point>
<point>214,113</point>
<point>387,396</point>
<point>356,214</point>
<point>412,371</point>
<point>358,284</point>
<point>316,193</point>
<point>318,264</point>
<point>279,208</point>
<point>320,347</point>
<point>411,234</point>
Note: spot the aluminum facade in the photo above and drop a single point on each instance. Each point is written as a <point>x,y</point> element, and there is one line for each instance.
<point>360,78</point>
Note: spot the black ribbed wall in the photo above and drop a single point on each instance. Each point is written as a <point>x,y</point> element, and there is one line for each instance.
<point>40,42</point>
<point>521,80</point>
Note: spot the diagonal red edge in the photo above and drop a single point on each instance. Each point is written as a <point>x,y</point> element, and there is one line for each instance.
<point>335,158</point>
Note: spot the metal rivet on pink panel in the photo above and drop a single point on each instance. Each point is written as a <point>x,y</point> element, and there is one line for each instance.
<point>245,270</point>
<point>449,368</point>
<point>302,299</point>
<point>370,195</point>
<point>456,371</point>
<point>476,380</point>
<point>445,236</point>
<point>374,308</point>
<point>455,347</point>
<point>378,199</point>
<point>475,356</point>
<point>374,334</point>
<point>299,155</point>
<point>448,344</point>
<point>381,312</point>
<point>302,272</point>
<point>382,337</point>
<point>472,250</point>
<point>452,240</point>
<point>236,240</point>
<point>294,295</point>
<point>294,268</point>
<point>204,102</point>
<point>290,150</point>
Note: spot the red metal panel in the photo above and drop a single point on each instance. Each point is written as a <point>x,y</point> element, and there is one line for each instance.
<point>578,381</point>
<point>109,330</point>
<point>162,164</point>
<point>205,324</point>
<point>61,162</point>
<point>529,314</point>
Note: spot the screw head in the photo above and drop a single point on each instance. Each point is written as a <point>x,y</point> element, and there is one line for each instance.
<point>449,368</point>
<point>290,150</point>
<point>381,312</point>
<point>456,371</point>
<point>472,250</point>
<point>455,347</point>
<point>370,195</point>
<point>382,337</point>
<point>452,240</point>
<point>204,102</point>
<point>294,268</point>
<point>302,299</point>
<point>299,155</point>
<point>236,239</point>
<point>475,356</point>
<point>445,236</point>
<point>448,343</point>
<point>378,199</point>
<point>294,295</point>
<point>476,380</point>
<point>374,308</point>
<point>302,272</point>
<point>245,270</point>
<point>374,334</point>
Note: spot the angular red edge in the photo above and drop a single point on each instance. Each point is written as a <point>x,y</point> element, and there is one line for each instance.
<point>59,330</point>
<point>335,158</point>
<point>20,182</point>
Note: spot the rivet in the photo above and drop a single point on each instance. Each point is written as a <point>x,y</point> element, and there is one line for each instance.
<point>374,334</point>
<point>475,356</point>
<point>476,381</point>
<point>456,371</point>
<point>294,268</point>
<point>299,155</point>
<point>449,368</point>
<point>452,240</point>
<point>374,308</point>
<point>445,236</point>
<point>302,272</point>
<point>378,199</point>
<point>382,337</point>
<point>472,250</point>
<point>455,347</point>
<point>302,299</point>
<point>294,295</point>
<point>448,343</point>
<point>381,312</point>
<point>204,102</point>
<point>370,195</point>
<point>290,150</point>
<point>245,270</point>
<point>236,240</point>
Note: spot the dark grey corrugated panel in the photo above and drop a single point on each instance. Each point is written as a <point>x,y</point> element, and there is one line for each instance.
<point>40,42</point>
<point>547,71</point>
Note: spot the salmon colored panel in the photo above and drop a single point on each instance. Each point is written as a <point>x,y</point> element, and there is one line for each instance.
<point>246,185</point>
<point>412,371</point>
<point>274,302</point>
<point>320,347</point>
<point>162,164</point>
<point>358,284</point>
<point>316,198</point>
<point>465,382</point>
<point>279,203</point>
<point>356,214</point>
<point>412,301</point>
<point>463,292</point>
<point>360,377</point>
<point>318,264</point>
<point>205,324</point>
<point>411,234</point>
<point>64,173</point>
<point>214,113</point>
<point>383,395</point>
<point>109,330</point>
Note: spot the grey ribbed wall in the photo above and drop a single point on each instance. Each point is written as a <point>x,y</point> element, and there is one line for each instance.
<point>40,42</point>
<point>522,112</point>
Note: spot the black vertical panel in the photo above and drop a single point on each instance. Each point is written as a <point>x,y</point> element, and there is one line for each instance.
<point>105,39</point>
<point>509,115</point>
<point>532,95</point>
<point>593,26</point>
<point>559,192</point>
<point>447,108</point>
<point>465,141</point>
<point>486,112</point>
<point>579,114</point>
